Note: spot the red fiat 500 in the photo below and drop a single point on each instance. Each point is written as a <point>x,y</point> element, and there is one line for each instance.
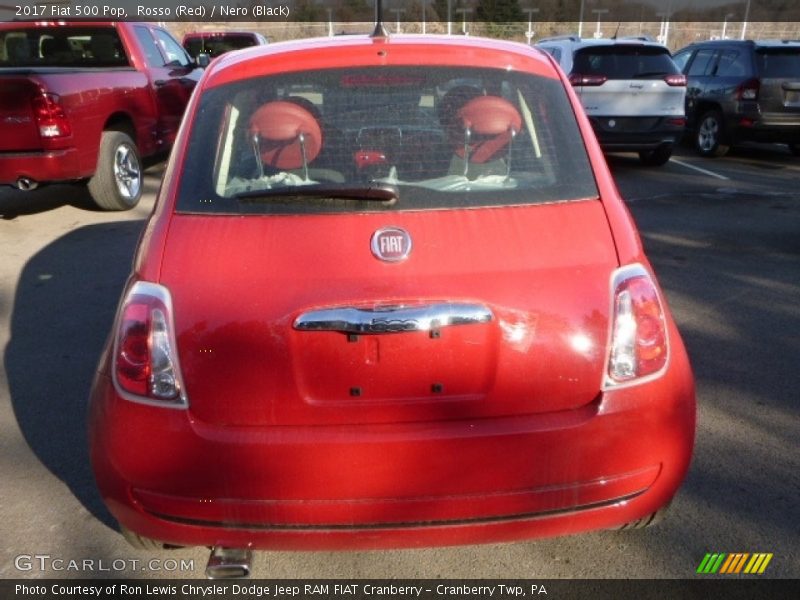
<point>389,297</point>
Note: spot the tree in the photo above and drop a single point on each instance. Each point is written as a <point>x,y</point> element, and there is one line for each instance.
<point>499,11</point>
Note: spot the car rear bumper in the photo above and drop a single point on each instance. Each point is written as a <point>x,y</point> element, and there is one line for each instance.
<point>632,134</point>
<point>171,478</point>
<point>767,131</point>
<point>42,167</point>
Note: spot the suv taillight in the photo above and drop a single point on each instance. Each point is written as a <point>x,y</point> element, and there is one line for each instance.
<point>145,359</point>
<point>748,90</point>
<point>587,80</point>
<point>639,347</point>
<point>676,80</point>
<point>50,117</point>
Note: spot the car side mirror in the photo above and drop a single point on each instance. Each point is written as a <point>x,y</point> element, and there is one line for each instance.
<point>202,60</point>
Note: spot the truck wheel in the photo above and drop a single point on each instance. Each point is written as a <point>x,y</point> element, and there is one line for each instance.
<point>709,134</point>
<point>117,183</point>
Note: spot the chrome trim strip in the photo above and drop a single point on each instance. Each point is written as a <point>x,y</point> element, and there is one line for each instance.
<point>393,319</point>
<point>355,528</point>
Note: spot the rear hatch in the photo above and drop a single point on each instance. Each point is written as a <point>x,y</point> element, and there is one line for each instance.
<point>627,80</point>
<point>240,284</point>
<point>291,305</point>
<point>779,94</point>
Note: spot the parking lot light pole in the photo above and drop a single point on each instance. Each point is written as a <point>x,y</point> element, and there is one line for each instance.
<point>599,11</point>
<point>449,17</point>
<point>464,12</point>
<point>725,25</point>
<point>746,17</point>
<point>664,35</point>
<point>397,12</point>
<point>580,21</point>
<point>529,33</point>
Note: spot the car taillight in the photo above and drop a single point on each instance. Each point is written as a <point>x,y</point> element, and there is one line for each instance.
<point>145,359</point>
<point>50,117</point>
<point>578,79</point>
<point>748,90</point>
<point>676,80</point>
<point>639,346</point>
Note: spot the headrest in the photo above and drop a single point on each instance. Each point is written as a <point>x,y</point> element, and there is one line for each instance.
<point>279,126</point>
<point>448,107</point>
<point>17,48</point>
<point>53,46</point>
<point>104,47</point>
<point>492,121</point>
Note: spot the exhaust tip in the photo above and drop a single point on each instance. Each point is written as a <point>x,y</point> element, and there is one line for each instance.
<point>26,184</point>
<point>229,563</point>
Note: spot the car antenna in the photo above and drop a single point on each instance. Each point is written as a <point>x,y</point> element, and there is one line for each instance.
<point>380,30</point>
<point>617,31</point>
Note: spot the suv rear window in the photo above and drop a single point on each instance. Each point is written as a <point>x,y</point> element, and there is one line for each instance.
<point>624,62</point>
<point>401,127</point>
<point>62,47</point>
<point>778,62</point>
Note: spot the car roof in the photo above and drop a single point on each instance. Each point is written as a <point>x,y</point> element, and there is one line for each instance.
<point>201,34</point>
<point>364,50</point>
<point>56,24</point>
<point>755,43</point>
<point>577,42</point>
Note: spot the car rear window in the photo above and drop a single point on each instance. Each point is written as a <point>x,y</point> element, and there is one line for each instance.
<point>621,61</point>
<point>779,62</point>
<point>214,45</point>
<point>440,137</point>
<point>62,47</point>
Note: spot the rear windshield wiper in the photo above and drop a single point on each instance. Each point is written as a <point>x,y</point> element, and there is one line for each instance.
<point>386,193</point>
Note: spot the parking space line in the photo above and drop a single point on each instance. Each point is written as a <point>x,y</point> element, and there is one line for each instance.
<point>704,171</point>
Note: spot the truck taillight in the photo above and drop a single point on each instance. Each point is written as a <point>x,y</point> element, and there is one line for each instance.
<point>639,347</point>
<point>50,117</point>
<point>145,359</point>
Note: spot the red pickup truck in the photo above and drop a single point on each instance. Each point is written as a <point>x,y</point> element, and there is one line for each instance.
<point>83,101</point>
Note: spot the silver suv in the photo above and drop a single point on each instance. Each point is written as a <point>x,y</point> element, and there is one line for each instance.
<point>631,90</point>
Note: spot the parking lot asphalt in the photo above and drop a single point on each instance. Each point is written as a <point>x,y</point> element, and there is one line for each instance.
<point>724,238</point>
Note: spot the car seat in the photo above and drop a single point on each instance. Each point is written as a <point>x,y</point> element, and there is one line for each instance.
<point>104,48</point>
<point>56,49</point>
<point>285,136</point>
<point>488,126</point>
<point>18,50</point>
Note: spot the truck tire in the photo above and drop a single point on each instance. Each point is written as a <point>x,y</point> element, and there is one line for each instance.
<point>708,137</point>
<point>117,182</point>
